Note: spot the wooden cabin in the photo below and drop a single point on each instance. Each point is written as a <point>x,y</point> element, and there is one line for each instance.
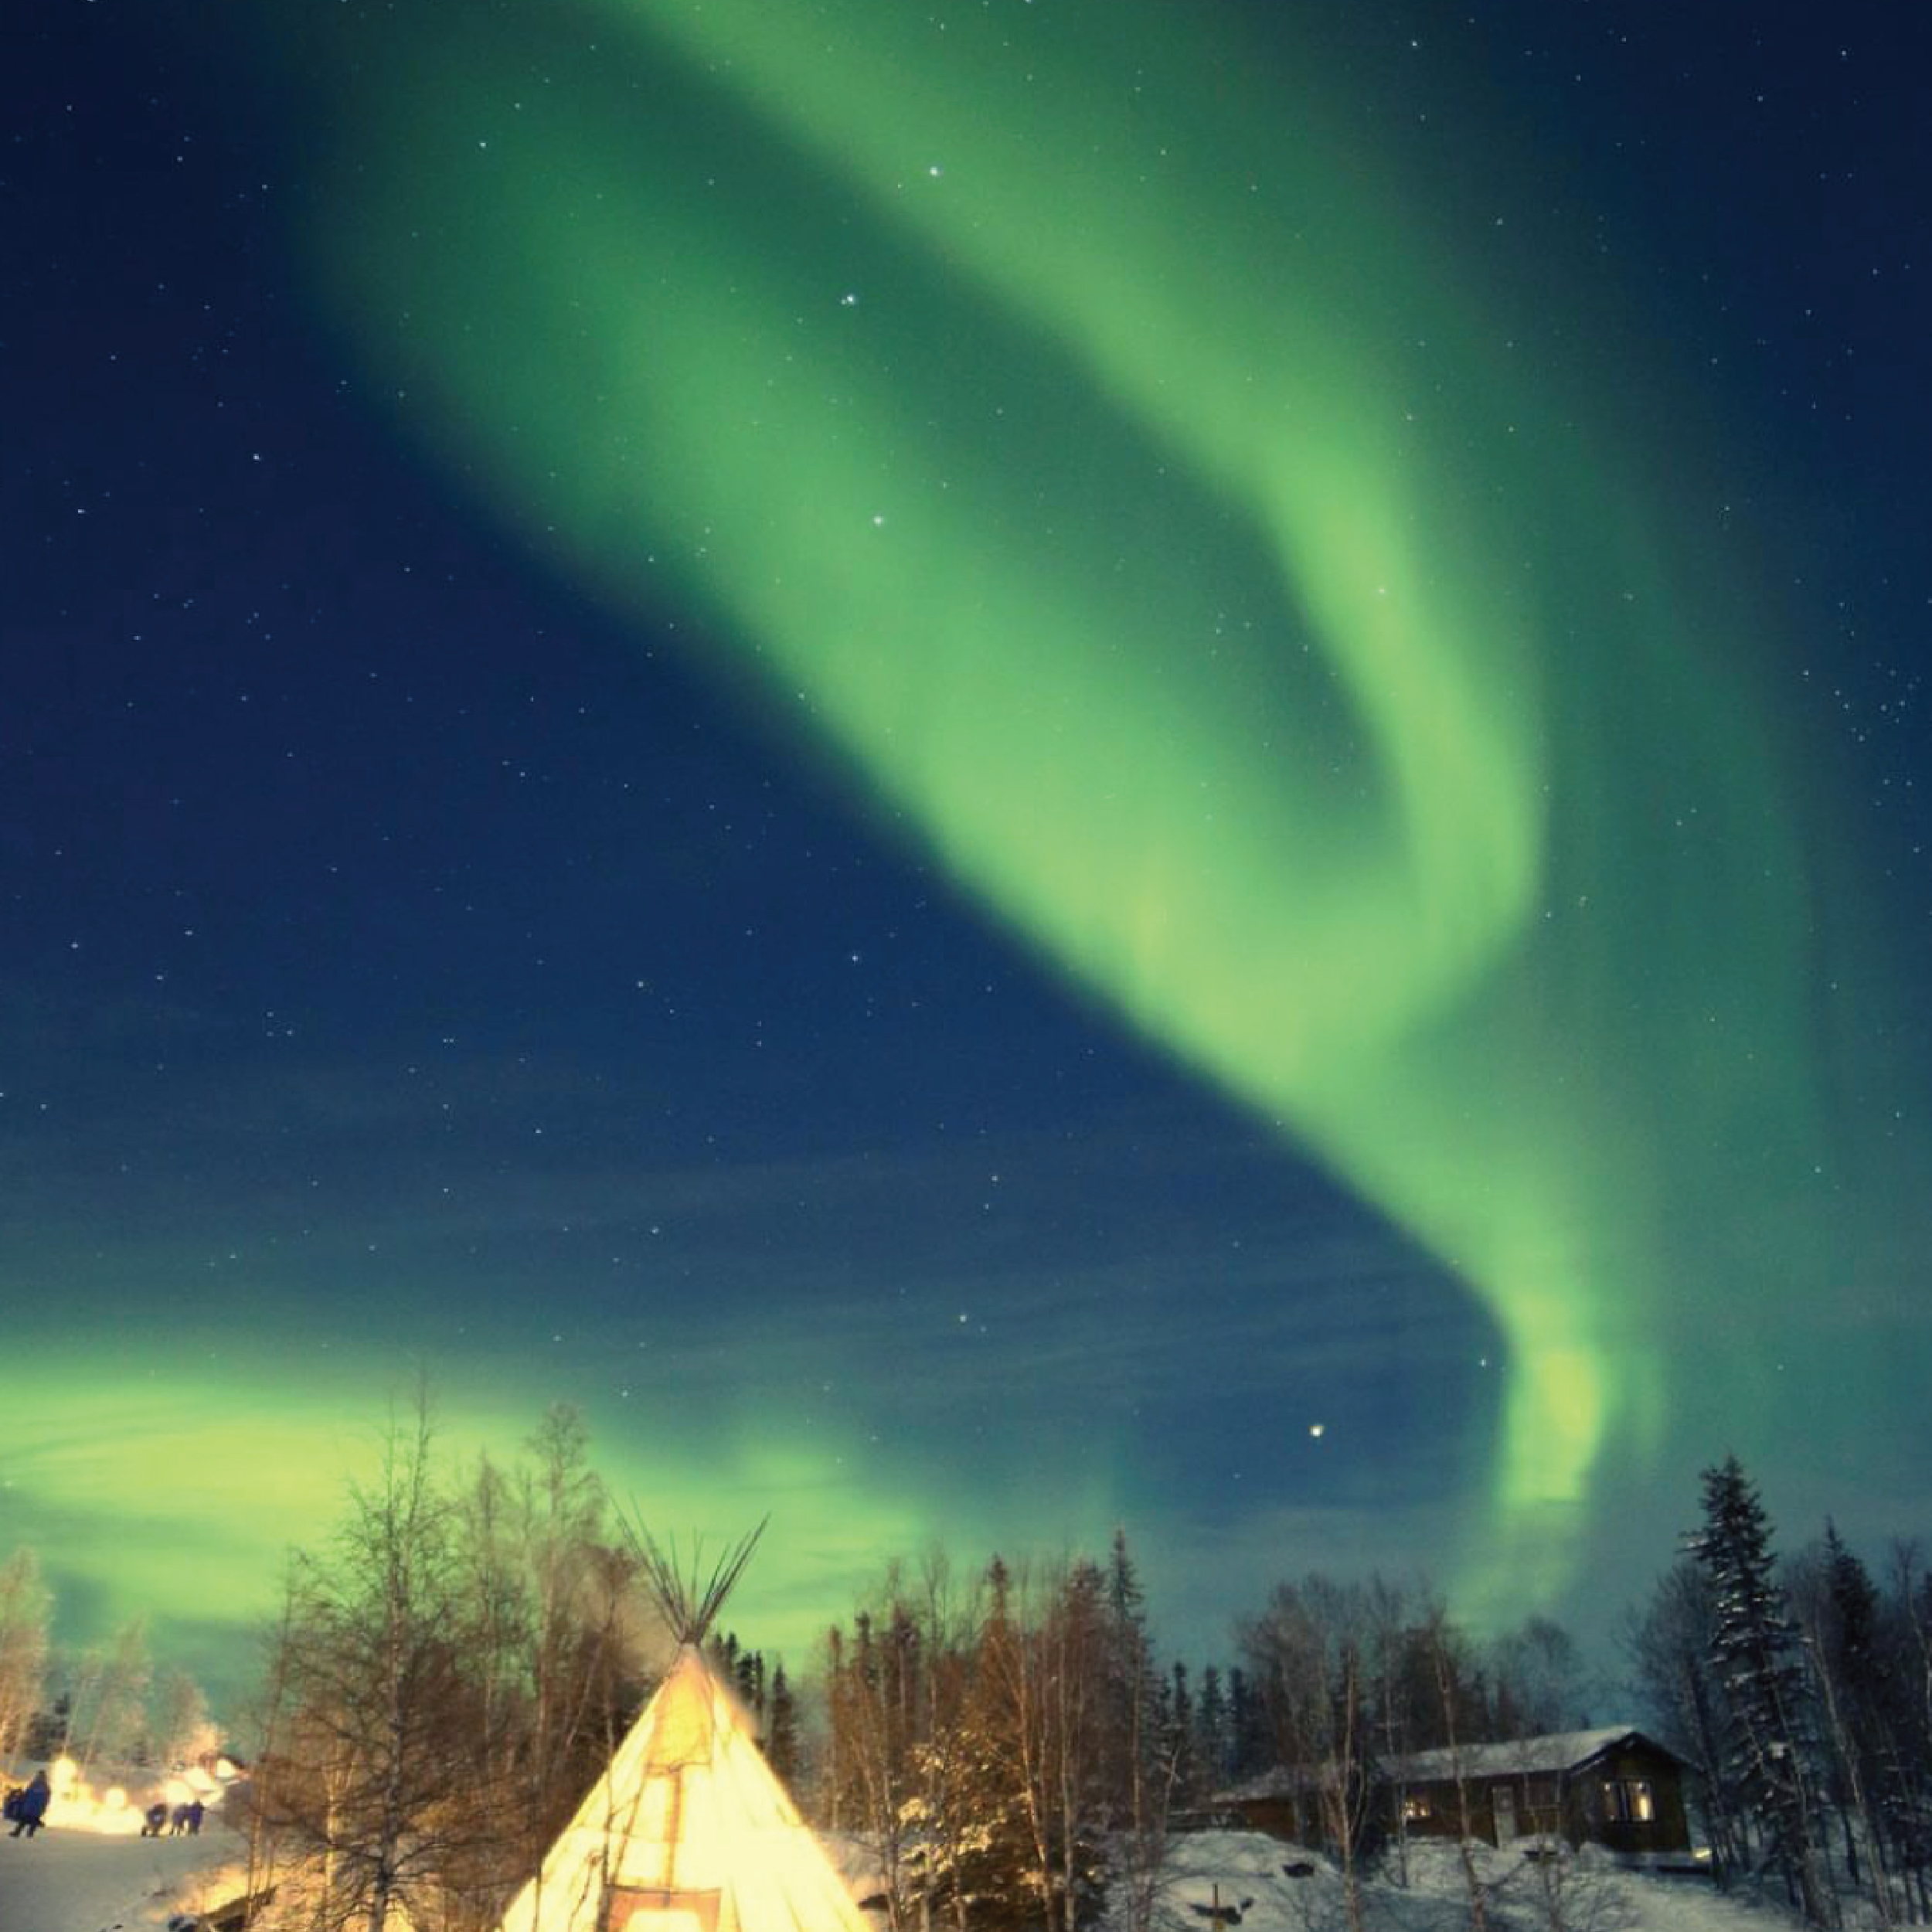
<point>1615,1787</point>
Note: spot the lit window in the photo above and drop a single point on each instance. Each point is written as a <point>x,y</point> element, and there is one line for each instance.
<point>1414,1810</point>
<point>1628,1800</point>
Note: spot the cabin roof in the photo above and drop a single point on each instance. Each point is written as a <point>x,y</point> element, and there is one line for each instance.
<point>1548,1756</point>
<point>1545,1757</point>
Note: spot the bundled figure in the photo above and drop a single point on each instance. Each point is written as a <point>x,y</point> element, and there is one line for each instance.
<point>30,1806</point>
<point>153,1819</point>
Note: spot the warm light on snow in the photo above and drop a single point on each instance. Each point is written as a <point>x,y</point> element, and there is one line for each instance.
<point>76,1806</point>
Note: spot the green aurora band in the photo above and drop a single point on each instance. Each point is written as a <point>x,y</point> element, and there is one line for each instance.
<point>168,1481</point>
<point>1049,412</point>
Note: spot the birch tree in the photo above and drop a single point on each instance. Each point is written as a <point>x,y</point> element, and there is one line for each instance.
<point>25,1605</point>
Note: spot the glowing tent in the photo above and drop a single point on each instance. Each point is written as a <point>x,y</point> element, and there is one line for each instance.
<point>688,1830</point>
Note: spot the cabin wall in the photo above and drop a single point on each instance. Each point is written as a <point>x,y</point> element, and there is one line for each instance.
<point>1597,1805</point>
<point>1284,1818</point>
<point>1604,1803</point>
<point>1436,1809</point>
<point>1604,1811</point>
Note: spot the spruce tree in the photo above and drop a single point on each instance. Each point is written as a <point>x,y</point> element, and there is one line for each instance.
<point>1130,1745</point>
<point>1840,1618</point>
<point>1177,1732</point>
<point>1754,1652</point>
<point>1248,1745</point>
<point>1211,1738</point>
<point>781,1733</point>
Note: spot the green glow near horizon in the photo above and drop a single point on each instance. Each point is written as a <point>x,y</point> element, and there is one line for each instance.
<point>159,1487</point>
<point>1136,498</point>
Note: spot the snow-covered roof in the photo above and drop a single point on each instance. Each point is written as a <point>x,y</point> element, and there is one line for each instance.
<point>1545,1756</point>
<point>1284,1781</point>
<point>1533,1757</point>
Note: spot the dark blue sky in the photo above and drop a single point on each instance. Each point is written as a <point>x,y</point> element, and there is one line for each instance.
<point>409,957</point>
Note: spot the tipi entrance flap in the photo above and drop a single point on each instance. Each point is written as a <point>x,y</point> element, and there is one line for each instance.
<point>655,1909</point>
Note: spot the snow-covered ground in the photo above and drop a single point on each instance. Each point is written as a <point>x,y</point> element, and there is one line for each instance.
<point>80,1881</point>
<point>73,1881</point>
<point>1243,1870</point>
<point>1586,1894</point>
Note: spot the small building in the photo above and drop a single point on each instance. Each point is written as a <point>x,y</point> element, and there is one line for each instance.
<point>1615,1787</point>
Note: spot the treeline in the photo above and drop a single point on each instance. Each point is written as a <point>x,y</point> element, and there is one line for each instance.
<point>1801,1693</point>
<point>1011,1743</point>
<point>104,1705</point>
<point>452,1670</point>
<point>448,1676</point>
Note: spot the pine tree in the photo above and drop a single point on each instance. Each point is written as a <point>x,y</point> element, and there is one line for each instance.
<point>1248,1752</point>
<point>1754,1649</point>
<point>1838,1610</point>
<point>781,1733</point>
<point>1178,1731</point>
<point>1670,1649</point>
<point>1211,1739</point>
<point>47,1729</point>
<point>748,1680</point>
<point>1132,1772</point>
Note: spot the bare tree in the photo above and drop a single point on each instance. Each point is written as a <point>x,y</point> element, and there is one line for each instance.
<point>377,1776</point>
<point>25,1604</point>
<point>108,1718</point>
<point>1537,1680</point>
<point>1306,1651</point>
<point>1443,1646</point>
<point>180,1726</point>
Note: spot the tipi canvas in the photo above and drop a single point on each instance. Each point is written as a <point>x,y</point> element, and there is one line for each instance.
<point>688,1830</point>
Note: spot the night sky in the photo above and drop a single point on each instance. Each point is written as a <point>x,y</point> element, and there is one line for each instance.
<point>997,769</point>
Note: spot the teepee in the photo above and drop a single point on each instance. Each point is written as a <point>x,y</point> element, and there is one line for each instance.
<point>688,1830</point>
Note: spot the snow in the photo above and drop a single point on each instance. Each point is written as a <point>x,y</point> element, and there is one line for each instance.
<point>1588,1893</point>
<point>1560,1751</point>
<point>1557,1752</point>
<point>80,1881</point>
<point>75,1881</point>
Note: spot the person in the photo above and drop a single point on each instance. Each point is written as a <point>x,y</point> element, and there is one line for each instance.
<point>177,1824</point>
<point>196,1812</point>
<point>154,1818</point>
<point>31,1806</point>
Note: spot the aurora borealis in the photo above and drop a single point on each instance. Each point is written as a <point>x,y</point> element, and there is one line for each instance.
<point>967,762</point>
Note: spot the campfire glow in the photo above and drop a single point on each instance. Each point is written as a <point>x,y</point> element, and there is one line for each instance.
<point>114,1811</point>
